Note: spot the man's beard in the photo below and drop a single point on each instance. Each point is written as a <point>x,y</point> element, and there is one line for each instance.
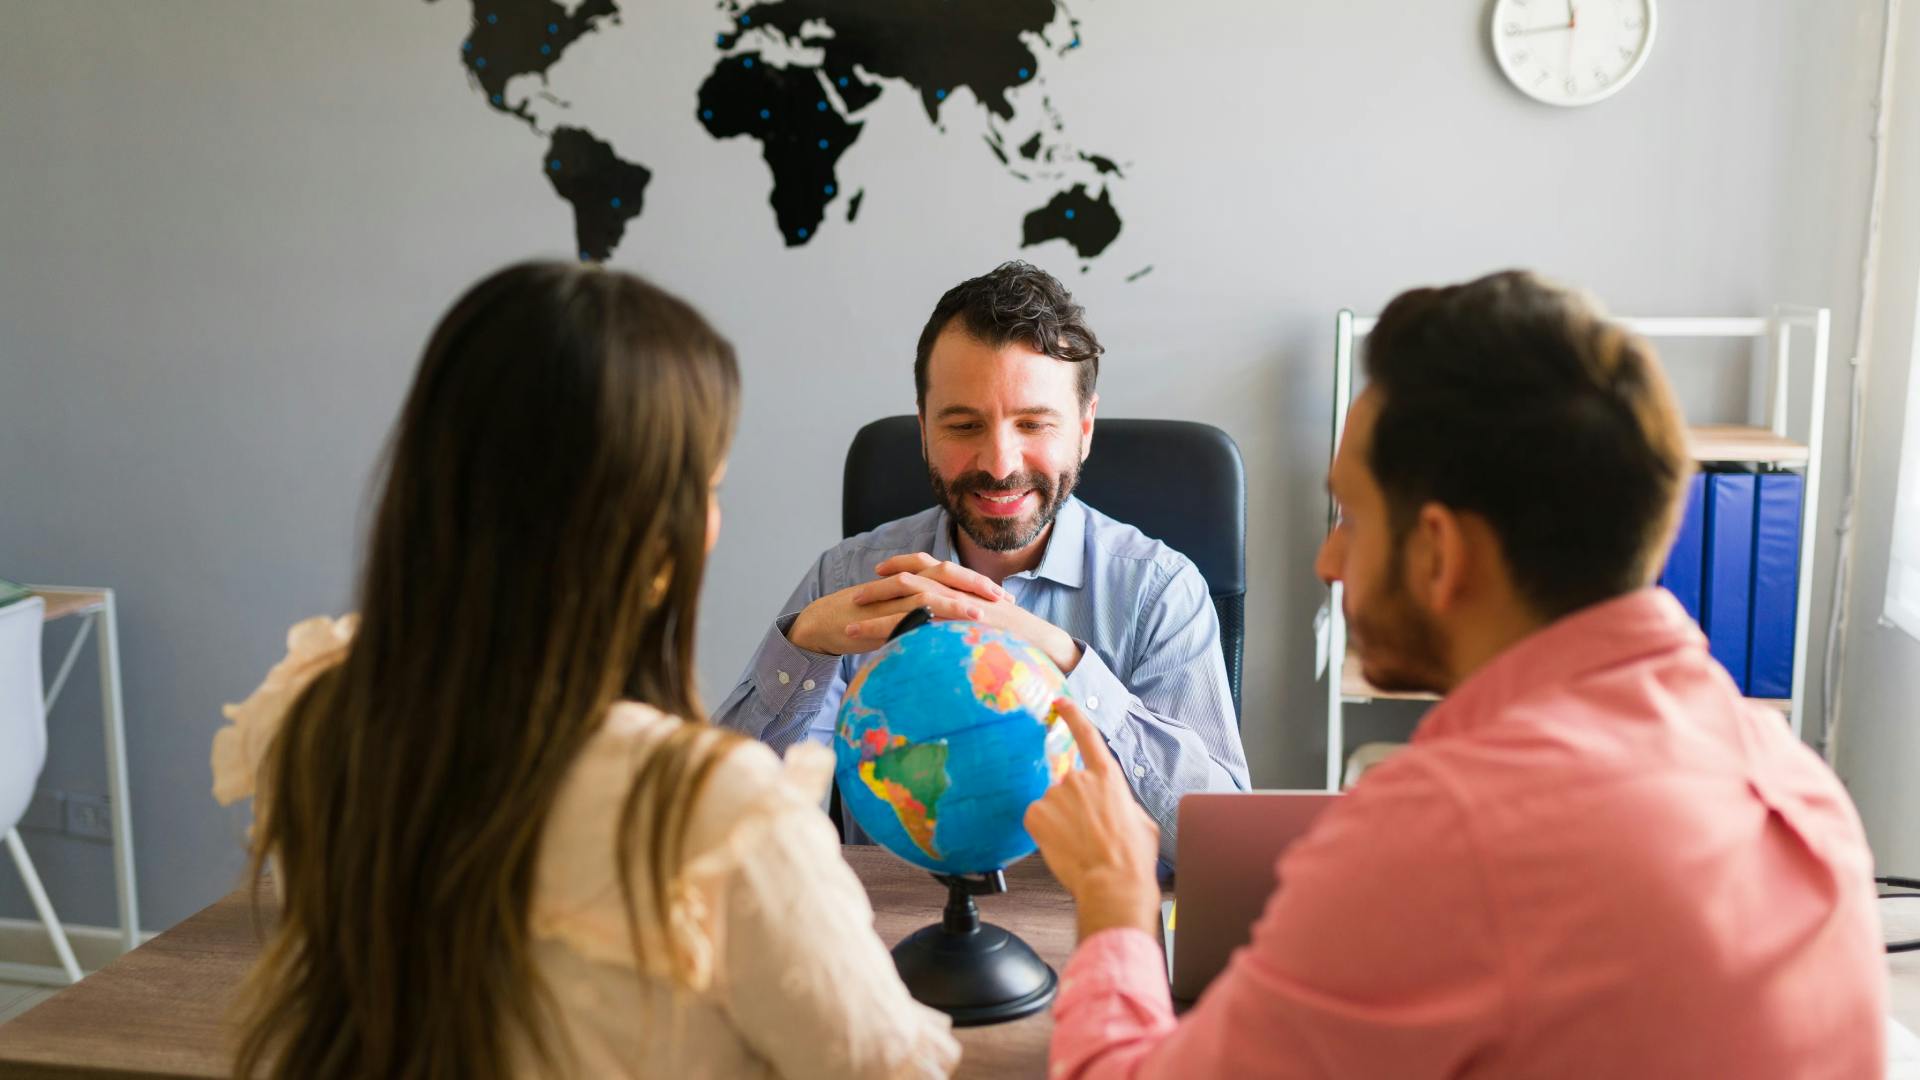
<point>1003,534</point>
<point>1400,647</point>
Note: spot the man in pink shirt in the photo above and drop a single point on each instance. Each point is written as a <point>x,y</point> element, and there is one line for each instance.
<point>1595,858</point>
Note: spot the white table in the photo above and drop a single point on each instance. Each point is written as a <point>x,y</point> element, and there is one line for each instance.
<point>93,606</point>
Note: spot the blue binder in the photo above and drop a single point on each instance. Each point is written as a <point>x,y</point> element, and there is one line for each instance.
<point>1682,576</point>
<point>1728,606</point>
<point>1776,584</point>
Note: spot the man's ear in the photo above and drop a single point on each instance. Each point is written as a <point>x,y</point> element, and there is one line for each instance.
<point>1086,427</point>
<point>1444,572</point>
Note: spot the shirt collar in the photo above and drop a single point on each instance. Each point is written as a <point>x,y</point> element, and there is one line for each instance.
<point>1639,625</point>
<point>1065,560</point>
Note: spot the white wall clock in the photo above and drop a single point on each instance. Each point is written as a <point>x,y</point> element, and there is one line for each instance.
<point>1572,52</point>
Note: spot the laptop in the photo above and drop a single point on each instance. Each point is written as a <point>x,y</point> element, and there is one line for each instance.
<point>1229,844</point>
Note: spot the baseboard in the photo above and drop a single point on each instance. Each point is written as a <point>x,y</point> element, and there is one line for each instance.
<point>24,941</point>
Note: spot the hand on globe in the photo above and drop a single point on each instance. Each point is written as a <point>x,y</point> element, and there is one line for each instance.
<point>999,612</point>
<point>858,619</point>
<point>1096,839</point>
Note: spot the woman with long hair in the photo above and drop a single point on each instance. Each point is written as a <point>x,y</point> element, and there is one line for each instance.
<point>506,840</point>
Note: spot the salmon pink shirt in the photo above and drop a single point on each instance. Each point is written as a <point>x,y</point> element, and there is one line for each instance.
<point>1595,859</point>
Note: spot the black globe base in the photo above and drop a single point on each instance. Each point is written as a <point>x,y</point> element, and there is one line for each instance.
<point>975,972</point>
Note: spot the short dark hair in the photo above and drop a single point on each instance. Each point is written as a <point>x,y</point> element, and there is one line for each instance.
<point>1518,400</point>
<point>1015,302</point>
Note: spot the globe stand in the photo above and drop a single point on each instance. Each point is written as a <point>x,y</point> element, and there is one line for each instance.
<point>975,972</point>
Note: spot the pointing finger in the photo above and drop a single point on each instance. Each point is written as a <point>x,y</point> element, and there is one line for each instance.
<point>1093,747</point>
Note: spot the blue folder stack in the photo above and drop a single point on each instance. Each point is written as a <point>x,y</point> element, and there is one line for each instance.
<point>1685,565</point>
<point>1776,584</point>
<point>1727,614</point>
<point>1735,567</point>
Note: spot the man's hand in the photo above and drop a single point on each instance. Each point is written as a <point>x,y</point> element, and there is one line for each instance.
<point>858,619</point>
<point>1096,839</point>
<point>1000,612</point>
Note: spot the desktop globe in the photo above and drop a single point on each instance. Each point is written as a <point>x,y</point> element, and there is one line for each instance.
<point>945,737</point>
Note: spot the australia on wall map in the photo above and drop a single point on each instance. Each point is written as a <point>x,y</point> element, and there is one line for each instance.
<point>805,115</point>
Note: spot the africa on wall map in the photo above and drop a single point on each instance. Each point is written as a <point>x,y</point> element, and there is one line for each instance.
<point>806,115</point>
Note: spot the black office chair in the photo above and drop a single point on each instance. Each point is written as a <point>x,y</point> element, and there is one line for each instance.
<point>1179,482</point>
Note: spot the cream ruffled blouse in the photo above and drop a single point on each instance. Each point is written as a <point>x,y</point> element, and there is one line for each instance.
<point>782,972</point>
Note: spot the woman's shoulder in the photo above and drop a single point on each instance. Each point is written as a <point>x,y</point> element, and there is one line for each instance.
<point>751,801</point>
<point>313,646</point>
<point>746,779</point>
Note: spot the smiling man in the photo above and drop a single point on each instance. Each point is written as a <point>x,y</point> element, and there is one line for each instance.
<point>1004,376</point>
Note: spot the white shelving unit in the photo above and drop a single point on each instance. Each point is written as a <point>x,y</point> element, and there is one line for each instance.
<point>1792,337</point>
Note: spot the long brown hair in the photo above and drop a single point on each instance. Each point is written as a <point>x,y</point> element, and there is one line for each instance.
<point>536,556</point>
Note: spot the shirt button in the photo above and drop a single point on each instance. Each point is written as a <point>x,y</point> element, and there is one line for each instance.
<point>785,678</point>
<point>1140,770</point>
<point>1093,702</point>
<point>808,685</point>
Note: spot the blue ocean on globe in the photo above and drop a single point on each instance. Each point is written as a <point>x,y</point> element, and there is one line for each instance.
<point>944,738</point>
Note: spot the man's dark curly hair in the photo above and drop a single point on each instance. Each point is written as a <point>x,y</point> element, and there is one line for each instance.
<point>1015,302</point>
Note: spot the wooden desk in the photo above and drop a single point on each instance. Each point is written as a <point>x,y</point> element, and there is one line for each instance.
<point>160,1011</point>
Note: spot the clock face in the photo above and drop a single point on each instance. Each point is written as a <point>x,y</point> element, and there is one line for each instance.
<point>1572,52</point>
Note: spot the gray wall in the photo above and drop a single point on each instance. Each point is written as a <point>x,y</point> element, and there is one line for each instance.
<point>227,228</point>
<point>1879,745</point>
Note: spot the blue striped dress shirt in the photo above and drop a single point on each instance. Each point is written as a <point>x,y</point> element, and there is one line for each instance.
<point>1151,675</point>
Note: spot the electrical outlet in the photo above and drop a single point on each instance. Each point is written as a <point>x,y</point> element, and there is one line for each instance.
<point>87,817</point>
<point>46,813</point>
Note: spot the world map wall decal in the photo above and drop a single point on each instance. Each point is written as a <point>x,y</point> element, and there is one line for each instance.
<point>806,114</point>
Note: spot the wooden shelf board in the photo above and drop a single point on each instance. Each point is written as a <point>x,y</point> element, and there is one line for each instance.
<point>64,602</point>
<point>1738,442</point>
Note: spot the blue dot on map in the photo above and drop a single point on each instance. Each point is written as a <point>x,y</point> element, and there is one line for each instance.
<point>546,50</point>
<point>1069,215</point>
<point>466,46</point>
<point>1023,73</point>
<point>829,189</point>
<point>940,95</point>
<point>493,18</point>
<point>803,234</point>
<point>765,114</point>
<point>496,99</point>
<point>746,20</point>
<point>823,144</point>
<point>748,62</point>
<point>843,80</point>
<point>823,106</point>
<point>719,39</point>
<point>480,62</point>
<point>706,114</point>
<point>616,202</point>
<point>555,166</point>
<point>553,28</point>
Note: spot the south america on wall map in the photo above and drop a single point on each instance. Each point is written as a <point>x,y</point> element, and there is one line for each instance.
<point>805,115</point>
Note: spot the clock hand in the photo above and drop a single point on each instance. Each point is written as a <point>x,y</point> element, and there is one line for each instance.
<point>1573,19</point>
<point>1556,27</point>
